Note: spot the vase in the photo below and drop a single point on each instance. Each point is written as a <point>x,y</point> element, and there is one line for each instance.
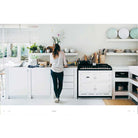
<point>41,51</point>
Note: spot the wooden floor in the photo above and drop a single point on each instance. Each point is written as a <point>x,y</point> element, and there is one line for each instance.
<point>119,102</point>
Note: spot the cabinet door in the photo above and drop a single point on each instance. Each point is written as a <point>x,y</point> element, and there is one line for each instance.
<point>40,81</point>
<point>86,85</point>
<point>95,83</point>
<point>67,93</point>
<point>18,81</point>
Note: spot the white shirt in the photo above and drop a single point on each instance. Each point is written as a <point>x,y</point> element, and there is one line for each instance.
<point>58,63</point>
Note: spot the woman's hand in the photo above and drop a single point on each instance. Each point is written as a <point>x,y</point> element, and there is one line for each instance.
<point>65,66</point>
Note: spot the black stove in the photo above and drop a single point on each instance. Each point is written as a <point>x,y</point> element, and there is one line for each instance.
<point>86,65</point>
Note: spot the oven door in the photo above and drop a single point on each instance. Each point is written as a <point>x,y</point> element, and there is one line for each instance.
<point>86,85</point>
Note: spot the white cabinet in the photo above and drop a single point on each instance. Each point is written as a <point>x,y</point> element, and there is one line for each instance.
<point>120,78</point>
<point>95,83</point>
<point>17,82</point>
<point>37,82</point>
<point>133,83</point>
<point>40,81</point>
<point>69,83</point>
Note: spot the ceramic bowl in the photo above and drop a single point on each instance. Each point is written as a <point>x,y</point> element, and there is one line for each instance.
<point>66,50</point>
<point>72,50</point>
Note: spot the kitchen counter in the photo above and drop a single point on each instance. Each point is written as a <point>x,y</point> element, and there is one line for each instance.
<point>37,82</point>
<point>120,67</point>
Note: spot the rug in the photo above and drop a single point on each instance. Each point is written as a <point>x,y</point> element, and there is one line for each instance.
<point>118,102</point>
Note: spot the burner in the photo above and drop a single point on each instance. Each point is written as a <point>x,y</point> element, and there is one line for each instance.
<point>87,66</point>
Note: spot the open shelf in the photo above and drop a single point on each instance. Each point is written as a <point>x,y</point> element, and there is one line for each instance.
<point>134,96</point>
<point>121,79</point>
<point>134,82</point>
<point>121,93</point>
<point>122,54</point>
<point>48,54</point>
<point>122,40</point>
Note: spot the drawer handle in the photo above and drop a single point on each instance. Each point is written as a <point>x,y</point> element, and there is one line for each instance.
<point>87,77</point>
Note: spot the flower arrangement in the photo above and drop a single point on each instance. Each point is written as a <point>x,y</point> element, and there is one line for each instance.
<point>57,39</point>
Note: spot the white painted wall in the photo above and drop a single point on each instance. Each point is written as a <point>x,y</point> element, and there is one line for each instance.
<point>86,39</point>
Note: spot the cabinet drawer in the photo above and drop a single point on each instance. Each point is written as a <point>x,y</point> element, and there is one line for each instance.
<point>68,78</point>
<point>67,93</point>
<point>67,85</point>
<point>68,72</point>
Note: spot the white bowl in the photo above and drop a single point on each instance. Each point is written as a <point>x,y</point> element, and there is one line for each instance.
<point>72,51</point>
<point>66,50</point>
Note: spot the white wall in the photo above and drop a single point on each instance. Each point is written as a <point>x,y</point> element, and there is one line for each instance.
<point>87,39</point>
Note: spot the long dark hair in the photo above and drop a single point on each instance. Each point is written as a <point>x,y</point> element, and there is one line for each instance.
<point>56,50</point>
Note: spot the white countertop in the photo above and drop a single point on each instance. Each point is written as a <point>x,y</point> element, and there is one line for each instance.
<point>120,67</point>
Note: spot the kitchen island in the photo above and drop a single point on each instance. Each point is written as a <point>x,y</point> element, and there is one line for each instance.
<point>37,82</point>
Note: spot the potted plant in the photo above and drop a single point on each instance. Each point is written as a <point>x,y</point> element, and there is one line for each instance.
<point>41,48</point>
<point>57,39</point>
<point>33,48</point>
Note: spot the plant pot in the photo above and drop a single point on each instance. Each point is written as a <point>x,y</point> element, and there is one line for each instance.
<point>41,51</point>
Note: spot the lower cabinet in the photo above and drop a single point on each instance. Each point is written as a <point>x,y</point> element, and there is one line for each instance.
<point>17,82</point>
<point>69,83</point>
<point>40,82</point>
<point>37,82</point>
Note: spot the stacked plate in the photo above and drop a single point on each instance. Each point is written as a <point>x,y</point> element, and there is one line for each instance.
<point>134,33</point>
<point>123,33</point>
<point>111,33</point>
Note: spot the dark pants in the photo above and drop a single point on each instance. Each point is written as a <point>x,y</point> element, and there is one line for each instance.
<point>57,82</point>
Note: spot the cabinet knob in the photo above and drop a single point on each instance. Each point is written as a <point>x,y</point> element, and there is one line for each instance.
<point>87,77</point>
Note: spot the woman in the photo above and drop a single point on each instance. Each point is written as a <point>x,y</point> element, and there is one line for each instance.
<point>58,61</point>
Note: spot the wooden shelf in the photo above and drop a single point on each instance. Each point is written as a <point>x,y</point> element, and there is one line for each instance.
<point>134,96</point>
<point>122,54</point>
<point>122,40</point>
<point>121,93</point>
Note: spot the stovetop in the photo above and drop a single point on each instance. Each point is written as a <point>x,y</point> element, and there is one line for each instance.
<point>90,66</point>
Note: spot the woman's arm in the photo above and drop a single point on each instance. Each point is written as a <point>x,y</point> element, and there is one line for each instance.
<point>65,61</point>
